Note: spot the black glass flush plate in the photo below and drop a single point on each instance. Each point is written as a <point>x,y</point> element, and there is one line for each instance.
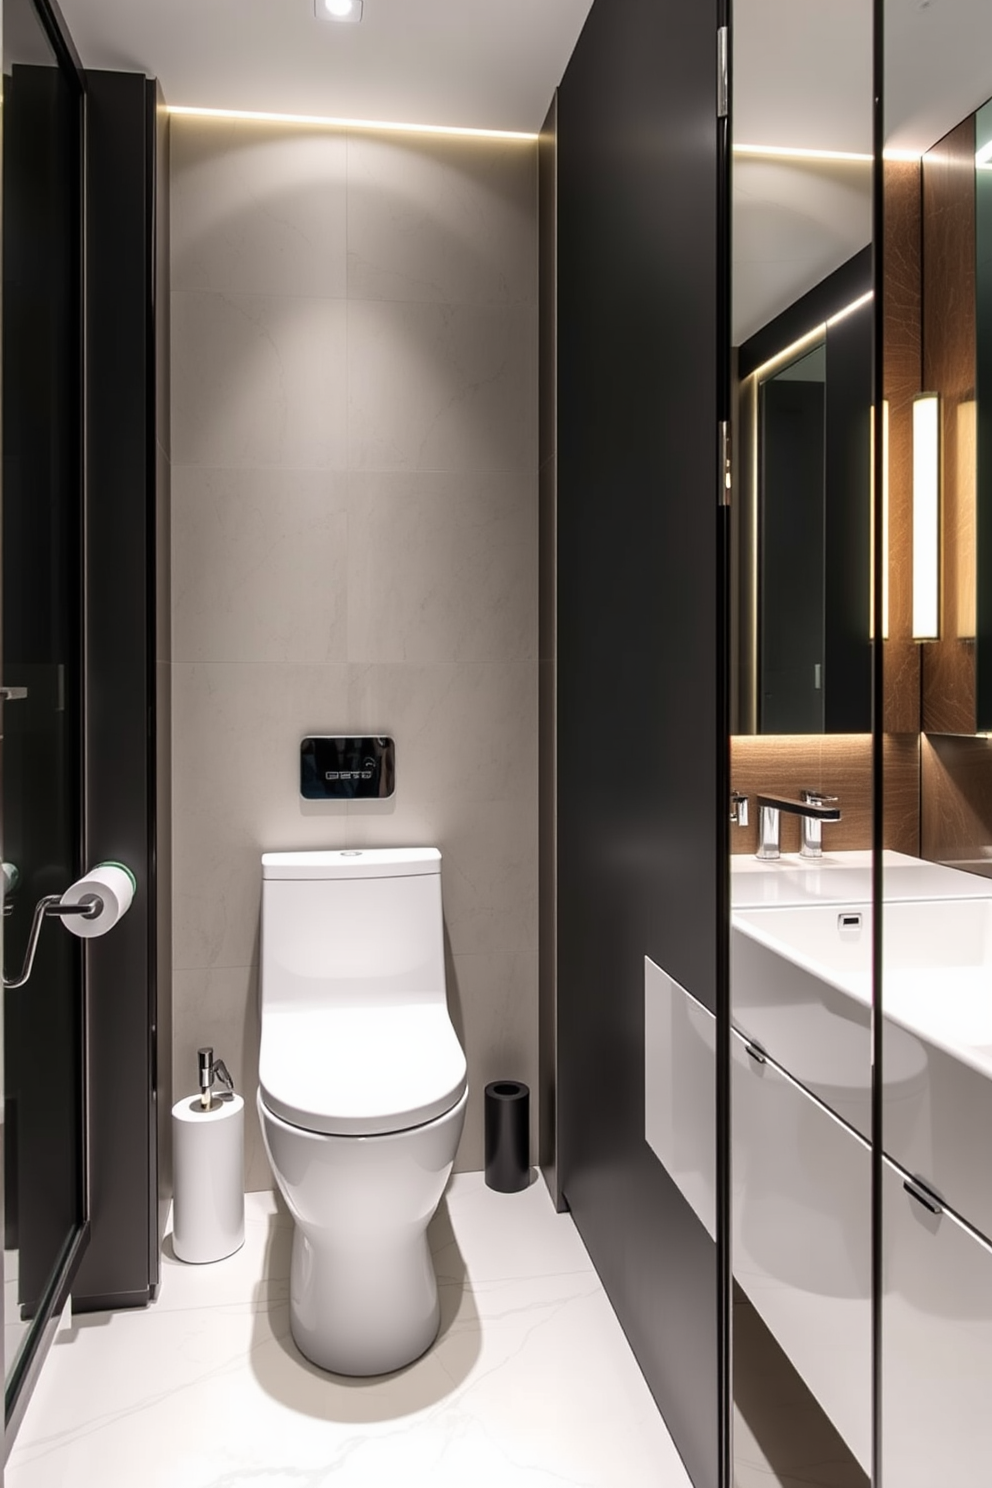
<point>339,767</point>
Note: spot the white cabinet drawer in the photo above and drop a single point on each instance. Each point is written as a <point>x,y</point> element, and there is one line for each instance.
<point>802,1237</point>
<point>936,1345</point>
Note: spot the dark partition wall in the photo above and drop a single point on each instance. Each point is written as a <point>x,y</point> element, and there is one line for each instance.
<point>641,730</point>
<point>124,493</point>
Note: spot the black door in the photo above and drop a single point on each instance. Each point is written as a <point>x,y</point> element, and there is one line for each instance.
<point>641,736</point>
<point>42,650</point>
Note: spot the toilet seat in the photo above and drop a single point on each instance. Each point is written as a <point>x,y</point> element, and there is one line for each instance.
<point>360,1070</point>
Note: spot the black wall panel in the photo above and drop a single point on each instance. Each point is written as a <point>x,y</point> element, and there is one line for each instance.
<point>642,744</point>
<point>121,1265</point>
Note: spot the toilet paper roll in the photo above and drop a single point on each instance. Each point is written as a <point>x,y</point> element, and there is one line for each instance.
<point>114,884</point>
<point>208,1215</point>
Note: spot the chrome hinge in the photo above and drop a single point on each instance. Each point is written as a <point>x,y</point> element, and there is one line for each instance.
<point>725,475</point>
<point>722,73</point>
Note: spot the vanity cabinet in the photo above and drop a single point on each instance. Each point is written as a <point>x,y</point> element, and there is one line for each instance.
<point>802,1236</point>
<point>939,1130</point>
<point>937,1344</point>
<point>816,1030</point>
<point>680,1089</point>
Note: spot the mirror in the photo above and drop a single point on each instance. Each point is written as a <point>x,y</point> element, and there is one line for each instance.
<point>802,223</point>
<point>803,314</point>
<point>934,1034</point>
<point>803,529</point>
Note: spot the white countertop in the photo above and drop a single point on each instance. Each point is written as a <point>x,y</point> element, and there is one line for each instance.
<point>845,877</point>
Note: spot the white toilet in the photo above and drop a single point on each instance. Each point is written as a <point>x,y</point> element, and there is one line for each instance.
<point>362,1094</point>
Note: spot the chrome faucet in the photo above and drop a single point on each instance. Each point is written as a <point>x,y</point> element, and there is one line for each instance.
<point>814,809</point>
<point>738,809</point>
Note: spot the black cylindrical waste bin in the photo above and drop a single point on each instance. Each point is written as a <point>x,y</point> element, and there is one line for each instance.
<point>507,1135</point>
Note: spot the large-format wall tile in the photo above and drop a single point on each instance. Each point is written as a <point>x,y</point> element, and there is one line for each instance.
<point>257,210</point>
<point>258,380</point>
<point>441,387</point>
<point>219,1008</point>
<point>464,731</point>
<point>354,550</point>
<point>442,567</point>
<point>451,222</point>
<point>488,862</point>
<point>237,732</point>
<point>493,1001</point>
<point>260,561</point>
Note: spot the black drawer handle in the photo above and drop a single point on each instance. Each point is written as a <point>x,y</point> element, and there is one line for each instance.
<point>757,1053</point>
<point>923,1196</point>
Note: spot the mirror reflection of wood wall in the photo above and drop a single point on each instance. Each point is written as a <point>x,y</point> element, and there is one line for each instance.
<point>902,373</point>
<point>949,354</point>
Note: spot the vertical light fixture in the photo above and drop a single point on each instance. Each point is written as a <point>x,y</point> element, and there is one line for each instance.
<point>886,556</point>
<point>885,528</point>
<point>926,517</point>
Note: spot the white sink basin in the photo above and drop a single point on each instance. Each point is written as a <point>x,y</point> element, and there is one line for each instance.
<point>916,934</point>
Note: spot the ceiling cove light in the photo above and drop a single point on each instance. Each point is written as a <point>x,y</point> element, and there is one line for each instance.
<point>926,517</point>
<point>338,10</point>
<point>799,153</point>
<point>328,121</point>
<point>795,152</point>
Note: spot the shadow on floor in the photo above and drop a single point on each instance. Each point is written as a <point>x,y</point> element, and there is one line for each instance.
<point>288,1377</point>
<point>782,1436</point>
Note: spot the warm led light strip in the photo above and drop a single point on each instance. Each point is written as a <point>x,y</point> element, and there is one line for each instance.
<point>790,152</point>
<point>850,309</point>
<point>787,152</point>
<point>331,123</point>
<point>806,342</point>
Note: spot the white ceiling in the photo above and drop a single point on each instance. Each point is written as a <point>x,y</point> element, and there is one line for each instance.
<point>802,78</point>
<point>459,62</point>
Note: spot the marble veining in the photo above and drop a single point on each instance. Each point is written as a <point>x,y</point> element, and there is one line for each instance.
<point>531,1382</point>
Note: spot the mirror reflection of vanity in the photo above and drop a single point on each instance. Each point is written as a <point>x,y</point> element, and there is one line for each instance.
<point>816,1026</point>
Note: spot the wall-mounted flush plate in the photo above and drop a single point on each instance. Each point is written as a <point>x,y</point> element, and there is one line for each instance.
<point>346,767</point>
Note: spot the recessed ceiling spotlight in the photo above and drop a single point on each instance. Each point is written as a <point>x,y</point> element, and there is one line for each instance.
<point>338,10</point>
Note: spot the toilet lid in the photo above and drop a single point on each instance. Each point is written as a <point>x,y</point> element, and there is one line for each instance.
<point>360,1071</point>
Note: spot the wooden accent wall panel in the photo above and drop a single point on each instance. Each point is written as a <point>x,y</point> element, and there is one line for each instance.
<point>949,363</point>
<point>902,371</point>
<point>957,802</point>
<point>839,765</point>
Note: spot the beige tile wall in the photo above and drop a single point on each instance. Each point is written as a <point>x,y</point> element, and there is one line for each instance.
<point>354,413</point>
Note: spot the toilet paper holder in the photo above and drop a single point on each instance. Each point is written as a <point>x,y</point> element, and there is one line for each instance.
<point>50,906</point>
<point>86,906</point>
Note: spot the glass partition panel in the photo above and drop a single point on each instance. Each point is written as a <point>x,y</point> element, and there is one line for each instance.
<point>801,926</point>
<point>935,1031</point>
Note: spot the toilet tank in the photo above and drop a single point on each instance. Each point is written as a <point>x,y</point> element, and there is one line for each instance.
<point>343,929</point>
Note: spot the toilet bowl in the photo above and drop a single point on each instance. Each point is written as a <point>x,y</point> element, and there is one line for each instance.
<point>362,1095</point>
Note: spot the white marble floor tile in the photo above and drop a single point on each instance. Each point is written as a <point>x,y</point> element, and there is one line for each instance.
<point>530,1384</point>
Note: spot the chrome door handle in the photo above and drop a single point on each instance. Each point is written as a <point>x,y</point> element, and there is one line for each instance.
<point>13,694</point>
